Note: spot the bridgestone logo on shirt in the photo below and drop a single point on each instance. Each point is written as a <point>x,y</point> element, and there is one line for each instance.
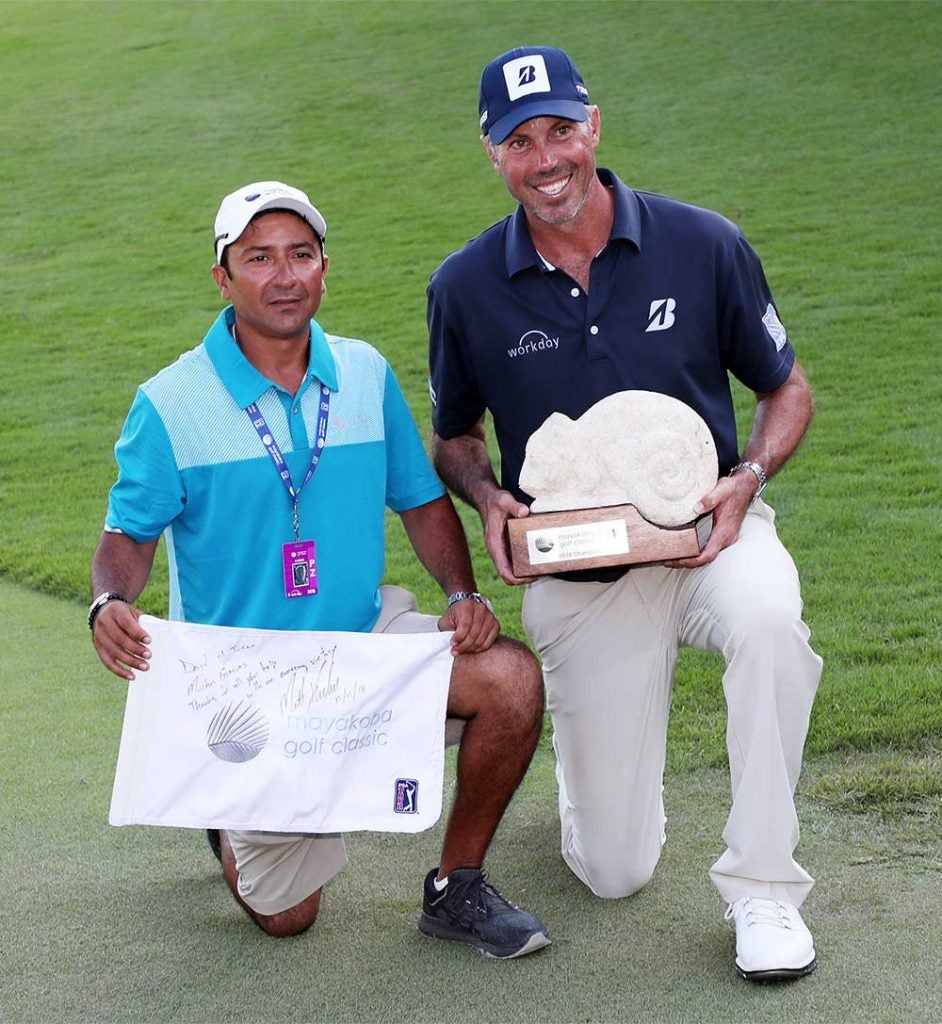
<point>533,341</point>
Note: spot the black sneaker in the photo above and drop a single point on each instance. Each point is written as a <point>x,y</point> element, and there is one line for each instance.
<point>212,837</point>
<point>471,910</point>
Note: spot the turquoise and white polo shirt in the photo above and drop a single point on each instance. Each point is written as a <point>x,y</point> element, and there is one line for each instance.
<point>192,466</point>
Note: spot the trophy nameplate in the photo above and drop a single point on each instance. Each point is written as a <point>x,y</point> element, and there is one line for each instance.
<point>553,542</point>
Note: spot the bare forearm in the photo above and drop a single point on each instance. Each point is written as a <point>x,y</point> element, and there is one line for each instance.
<point>122,565</point>
<point>438,538</point>
<point>465,467</point>
<point>781,420</point>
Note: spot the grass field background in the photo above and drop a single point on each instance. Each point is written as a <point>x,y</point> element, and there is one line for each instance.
<point>813,125</point>
<point>137,925</point>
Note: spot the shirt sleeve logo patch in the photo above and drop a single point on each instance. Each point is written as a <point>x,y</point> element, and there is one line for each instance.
<point>775,328</point>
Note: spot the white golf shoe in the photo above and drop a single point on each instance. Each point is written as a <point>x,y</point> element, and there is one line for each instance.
<point>772,941</point>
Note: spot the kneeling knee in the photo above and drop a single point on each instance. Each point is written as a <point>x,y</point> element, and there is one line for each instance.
<point>293,921</point>
<point>613,879</point>
<point>770,622</point>
<point>285,925</point>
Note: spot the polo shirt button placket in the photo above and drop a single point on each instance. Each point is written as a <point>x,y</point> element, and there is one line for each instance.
<point>595,345</point>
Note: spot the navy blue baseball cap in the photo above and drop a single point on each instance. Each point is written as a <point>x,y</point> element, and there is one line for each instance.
<point>530,81</point>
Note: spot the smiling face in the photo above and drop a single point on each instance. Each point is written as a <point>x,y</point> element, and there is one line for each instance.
<point>548,165</point>
<point>275,278</point>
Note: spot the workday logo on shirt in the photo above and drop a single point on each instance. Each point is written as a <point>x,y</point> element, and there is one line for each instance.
<point>533,341</point>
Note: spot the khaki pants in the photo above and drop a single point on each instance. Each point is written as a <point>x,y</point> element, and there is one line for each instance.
<point>277,870</point>
<point>609,652</point>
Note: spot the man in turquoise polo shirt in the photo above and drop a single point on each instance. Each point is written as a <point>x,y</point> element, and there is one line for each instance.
<point>266,457</point>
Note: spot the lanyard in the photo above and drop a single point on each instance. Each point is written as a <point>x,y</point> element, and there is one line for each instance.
<point>271,446</point>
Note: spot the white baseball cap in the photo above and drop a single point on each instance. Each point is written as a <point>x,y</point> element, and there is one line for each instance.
<point>239,207</point>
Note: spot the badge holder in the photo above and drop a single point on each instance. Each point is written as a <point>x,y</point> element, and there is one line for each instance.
<point>300,568</point>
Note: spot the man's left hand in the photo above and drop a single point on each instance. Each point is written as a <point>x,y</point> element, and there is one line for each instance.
<point>728,501</point>
<point>475,627</point>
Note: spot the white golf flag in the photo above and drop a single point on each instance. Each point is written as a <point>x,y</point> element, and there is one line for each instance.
<point>284,731</point>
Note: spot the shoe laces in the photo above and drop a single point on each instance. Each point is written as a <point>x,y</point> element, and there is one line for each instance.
<point>479,897</point>
<point>753,911</point>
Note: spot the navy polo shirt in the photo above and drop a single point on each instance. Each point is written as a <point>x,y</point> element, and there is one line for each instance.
<point>677,301</point>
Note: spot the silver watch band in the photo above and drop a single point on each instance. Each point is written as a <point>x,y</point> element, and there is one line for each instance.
<point>757,471</point>
<point>468,595</point>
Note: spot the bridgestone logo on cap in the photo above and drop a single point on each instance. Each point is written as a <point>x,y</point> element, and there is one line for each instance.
<point>526,75</point>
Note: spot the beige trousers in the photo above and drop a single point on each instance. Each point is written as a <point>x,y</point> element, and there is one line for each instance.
<point>609,652</point>
<point>277,870</point>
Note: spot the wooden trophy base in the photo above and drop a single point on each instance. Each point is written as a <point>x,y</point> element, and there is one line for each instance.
<point>548,542</point>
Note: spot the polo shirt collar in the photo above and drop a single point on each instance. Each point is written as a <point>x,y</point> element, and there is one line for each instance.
<point>520,253</point>
<point>242,380</point>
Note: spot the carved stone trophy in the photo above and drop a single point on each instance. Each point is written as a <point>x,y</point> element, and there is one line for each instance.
<point>615,487</point>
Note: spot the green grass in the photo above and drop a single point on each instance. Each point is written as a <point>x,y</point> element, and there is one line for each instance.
<point>810,124</point>
<point>121,126</point>
<point>135,924</point>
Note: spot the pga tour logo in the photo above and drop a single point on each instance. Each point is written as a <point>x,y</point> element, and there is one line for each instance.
<point>407,796</point>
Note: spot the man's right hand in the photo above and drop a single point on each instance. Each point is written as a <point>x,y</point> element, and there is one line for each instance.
<point>464,465</point>
<point>120,641</point>
<point>498,508</point>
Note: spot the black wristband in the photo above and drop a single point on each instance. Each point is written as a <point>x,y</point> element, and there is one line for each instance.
<point>96,606</point>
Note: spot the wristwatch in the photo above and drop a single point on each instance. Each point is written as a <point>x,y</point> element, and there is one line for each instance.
<point>757,471</point>
<point>96,606</point>
<point>467,595</point>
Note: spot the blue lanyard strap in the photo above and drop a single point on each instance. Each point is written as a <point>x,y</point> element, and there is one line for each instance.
<point>271,446</point>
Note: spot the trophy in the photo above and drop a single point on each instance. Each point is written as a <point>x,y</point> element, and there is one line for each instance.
<point>615,487</point>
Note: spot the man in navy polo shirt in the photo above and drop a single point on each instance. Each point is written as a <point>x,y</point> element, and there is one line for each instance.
<point>588,289</point>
